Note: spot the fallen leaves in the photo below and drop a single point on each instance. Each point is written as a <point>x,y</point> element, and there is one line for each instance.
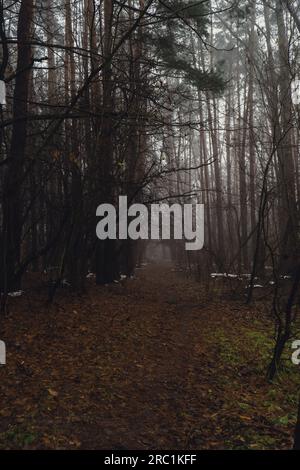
<point>172,370</point>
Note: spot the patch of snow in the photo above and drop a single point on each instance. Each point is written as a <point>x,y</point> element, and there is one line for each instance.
<point>89,275</point>
<point>254,286</point>
<point>227,275</point>
<point>240,277</point>
<point>17,293</point>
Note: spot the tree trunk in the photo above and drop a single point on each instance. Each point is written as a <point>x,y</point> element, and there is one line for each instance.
<point>106,252</point>
<point>12,199</point>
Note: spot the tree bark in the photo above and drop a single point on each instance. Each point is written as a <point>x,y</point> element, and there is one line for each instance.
<point>12,200</point>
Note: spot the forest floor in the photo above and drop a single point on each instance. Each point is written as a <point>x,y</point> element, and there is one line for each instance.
<point>154,362</point>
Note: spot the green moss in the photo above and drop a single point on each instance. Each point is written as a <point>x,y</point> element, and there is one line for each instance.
<point>17,437</point>
<point>245,354</point>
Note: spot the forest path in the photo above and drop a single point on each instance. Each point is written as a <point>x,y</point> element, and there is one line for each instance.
<point>153,362</point>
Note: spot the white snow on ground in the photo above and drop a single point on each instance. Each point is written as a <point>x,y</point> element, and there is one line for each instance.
<point>222,275</point>
<point>240,277</point>
<point>17,293</point>
<point>227,275</point>
<point>244,276</point>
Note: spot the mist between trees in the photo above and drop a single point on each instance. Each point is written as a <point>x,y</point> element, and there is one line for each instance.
<point>172,101</point>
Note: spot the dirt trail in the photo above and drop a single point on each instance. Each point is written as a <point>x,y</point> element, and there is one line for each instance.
<point>132,365</point>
